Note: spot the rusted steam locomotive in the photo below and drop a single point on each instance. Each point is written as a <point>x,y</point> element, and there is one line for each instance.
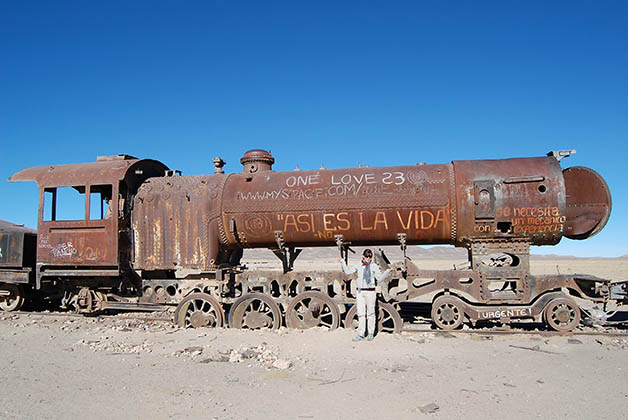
<point>145,237</point>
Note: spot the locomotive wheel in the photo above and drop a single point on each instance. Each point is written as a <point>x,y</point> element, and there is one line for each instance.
<point>447,313</point>
<point>14,300</point>
<point>255,311</point>
<point>562,314</point>
<point>312,309</point>
<point>388,319</point>
<point>199,310</point>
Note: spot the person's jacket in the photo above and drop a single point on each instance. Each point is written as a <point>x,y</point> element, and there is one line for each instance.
<point>376,274</point>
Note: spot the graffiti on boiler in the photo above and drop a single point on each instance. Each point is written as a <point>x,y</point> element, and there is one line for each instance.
<point>407,220</point>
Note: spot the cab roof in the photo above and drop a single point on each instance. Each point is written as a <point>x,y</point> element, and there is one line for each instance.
<point>106,170</point>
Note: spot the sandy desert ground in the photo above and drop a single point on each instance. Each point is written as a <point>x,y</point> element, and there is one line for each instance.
<point>56,367</point>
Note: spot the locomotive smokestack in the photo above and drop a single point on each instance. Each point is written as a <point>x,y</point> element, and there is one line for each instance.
<point>257,160</point>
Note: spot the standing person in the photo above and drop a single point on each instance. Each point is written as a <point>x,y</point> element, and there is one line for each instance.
<point>368,275</point>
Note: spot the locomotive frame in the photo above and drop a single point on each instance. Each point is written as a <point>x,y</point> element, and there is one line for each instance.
<point>146,238</point>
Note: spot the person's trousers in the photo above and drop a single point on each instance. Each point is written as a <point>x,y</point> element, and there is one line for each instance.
<point>366,311</point>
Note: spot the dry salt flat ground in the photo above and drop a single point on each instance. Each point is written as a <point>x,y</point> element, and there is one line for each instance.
<point>55,367</point>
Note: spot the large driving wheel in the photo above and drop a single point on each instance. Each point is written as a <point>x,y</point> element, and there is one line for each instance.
<point>562,314</point>
<point>447,313</point>
<point>12,297</point>
<point>388,319</point>
<point>312,309</point>
<point>199,310</point>
<point>255,311</point>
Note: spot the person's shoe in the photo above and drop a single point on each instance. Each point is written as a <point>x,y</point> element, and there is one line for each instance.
<point>369,337</point>
<point>358,338</point>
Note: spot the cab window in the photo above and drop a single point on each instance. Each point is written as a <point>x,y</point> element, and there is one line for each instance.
<point>100,202</point>
<point>68,203</point>
<point>64,203</point>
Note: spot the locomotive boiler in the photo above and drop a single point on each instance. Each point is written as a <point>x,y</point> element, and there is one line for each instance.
<point>527,200</point>
<point>146,237</point>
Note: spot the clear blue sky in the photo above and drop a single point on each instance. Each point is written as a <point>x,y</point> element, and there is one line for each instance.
<point>338,83</point>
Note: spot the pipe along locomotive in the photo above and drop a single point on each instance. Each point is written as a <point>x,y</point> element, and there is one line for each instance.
<point>124,233</point>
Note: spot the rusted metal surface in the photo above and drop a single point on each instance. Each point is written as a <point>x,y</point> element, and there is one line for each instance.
<point>88,241</point>
<point>511,199</point>
<point>199,310</point>
<point>367,206</point>
<point>312,309</point>
<point>255,311</point>
<point>22,275</point>
<point>588,202</point>
<point>175,223</point>
<point>449,311</point>
<point>105,169</point>
<point>457,203</point>
<point>17,262</point>
<point>179,239</point>
<point>16,245</point>
<point>193,222</point>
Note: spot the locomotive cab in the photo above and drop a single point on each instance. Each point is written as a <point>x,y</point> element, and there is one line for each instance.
<point>84,216</point>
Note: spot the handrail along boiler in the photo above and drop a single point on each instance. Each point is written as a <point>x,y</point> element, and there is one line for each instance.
<point>144,237</point>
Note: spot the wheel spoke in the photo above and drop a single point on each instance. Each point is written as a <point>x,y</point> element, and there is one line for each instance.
<point>562,314</point>
<point>310,309</point>
<point>447,312</point>
<point>199,310</point>
<point>388,319</point>
<point>255,311</point>
<point>327,319</point>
